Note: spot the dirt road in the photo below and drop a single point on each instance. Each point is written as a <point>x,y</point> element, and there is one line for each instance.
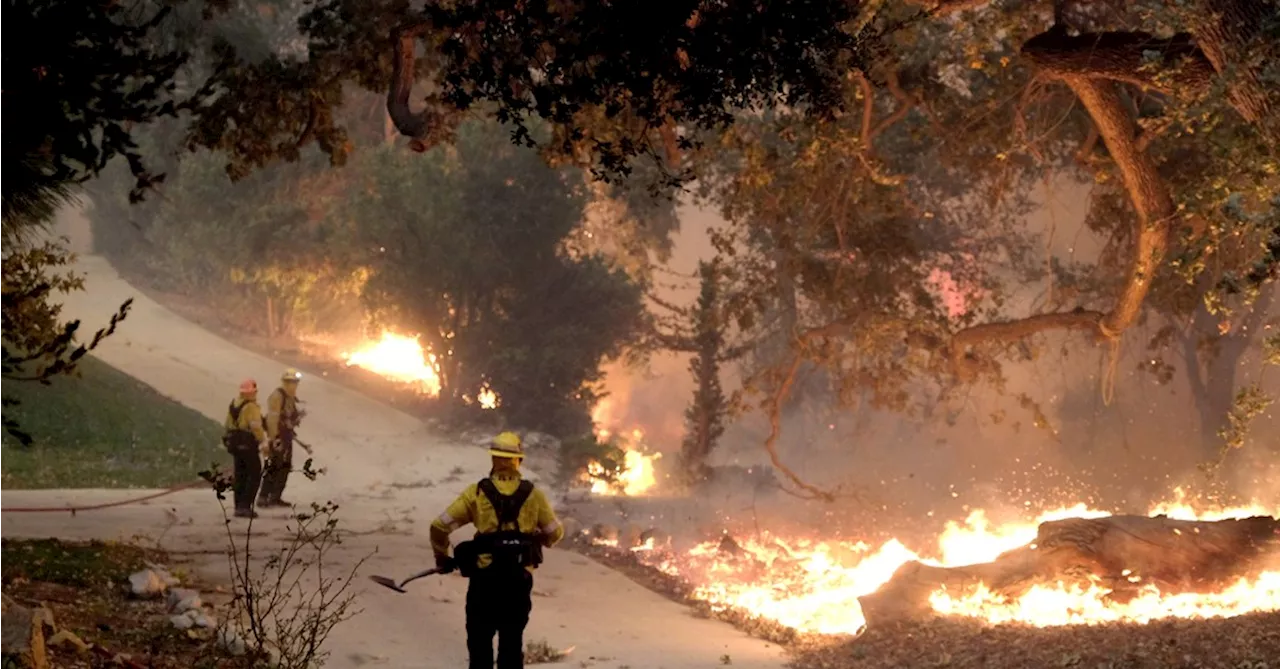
<point>390,475</point>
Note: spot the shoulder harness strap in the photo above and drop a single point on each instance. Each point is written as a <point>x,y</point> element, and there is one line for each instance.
<point>235,412</point>
<point>507,506</point>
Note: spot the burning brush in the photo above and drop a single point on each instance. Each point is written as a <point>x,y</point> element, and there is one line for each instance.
<point>1071,566</point>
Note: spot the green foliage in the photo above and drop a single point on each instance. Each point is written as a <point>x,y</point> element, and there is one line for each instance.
<point>37,346</point>
<point>101,428</point>
<point>866,154</point>
<point>633,68</point>
<point>466,246</point>
<point>705,417</point>
<point>260,248</point>
<point>92,564</point>
<point>1250,403</point>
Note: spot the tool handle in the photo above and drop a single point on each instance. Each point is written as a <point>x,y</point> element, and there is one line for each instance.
<point>422,574</point>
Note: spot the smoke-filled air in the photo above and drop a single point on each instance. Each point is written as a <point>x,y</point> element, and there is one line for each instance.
<point>667,335</point>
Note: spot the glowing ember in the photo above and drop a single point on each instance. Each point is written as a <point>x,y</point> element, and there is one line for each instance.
<point>488,398</point>
<point>813,586</point>
<point>399,358</point>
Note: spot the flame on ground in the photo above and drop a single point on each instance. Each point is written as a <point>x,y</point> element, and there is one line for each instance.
<point>399,358</point>
<point>636,475</point>
<point>813,586</point>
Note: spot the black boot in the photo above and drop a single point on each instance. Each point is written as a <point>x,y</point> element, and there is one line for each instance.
<point>246,513</point>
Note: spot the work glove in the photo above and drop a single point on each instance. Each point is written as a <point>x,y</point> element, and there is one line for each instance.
<point>445,563</point>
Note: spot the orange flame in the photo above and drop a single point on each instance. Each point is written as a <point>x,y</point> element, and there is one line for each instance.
<point>813,586</point>
<point>636,476</point>
<point>399,358</point>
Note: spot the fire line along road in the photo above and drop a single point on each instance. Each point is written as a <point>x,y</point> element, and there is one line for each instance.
<point>366,448</point>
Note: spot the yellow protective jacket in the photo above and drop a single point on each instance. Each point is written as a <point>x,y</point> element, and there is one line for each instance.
<point>249,420</point>
<point>282,410</point>
<point>472,507</point>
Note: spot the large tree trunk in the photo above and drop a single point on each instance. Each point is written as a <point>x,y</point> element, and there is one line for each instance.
<point>1123,552</point>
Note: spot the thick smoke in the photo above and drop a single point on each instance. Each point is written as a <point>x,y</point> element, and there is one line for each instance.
<point>993,450</point>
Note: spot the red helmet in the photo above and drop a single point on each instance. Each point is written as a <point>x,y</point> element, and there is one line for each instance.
<point>248,386</point>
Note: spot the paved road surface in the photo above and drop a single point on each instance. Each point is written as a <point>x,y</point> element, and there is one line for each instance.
<point>367,448</point>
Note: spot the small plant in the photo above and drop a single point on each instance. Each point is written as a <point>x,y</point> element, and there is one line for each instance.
<point>285,606</point>
<point>541,652</point>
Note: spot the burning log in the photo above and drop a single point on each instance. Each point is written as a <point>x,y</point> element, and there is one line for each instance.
<point>1120,553</point>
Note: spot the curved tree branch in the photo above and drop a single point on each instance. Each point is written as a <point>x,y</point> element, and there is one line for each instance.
<point>432,125</point>
<point>775,432</point>
<point>1132,57</point>
<point>968,363</point>
<point>402,75</point>
<point>944,7</point>
<point>1090,67</point>
<point>1147,190</point>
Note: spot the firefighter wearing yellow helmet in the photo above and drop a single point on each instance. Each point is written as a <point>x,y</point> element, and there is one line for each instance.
<point>514,522</point>
<point>283,417</point>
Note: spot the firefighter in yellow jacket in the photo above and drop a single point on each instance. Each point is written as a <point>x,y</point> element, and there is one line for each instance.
<point>514,522</point>
<point>242,438</point>
<point>283,417</point>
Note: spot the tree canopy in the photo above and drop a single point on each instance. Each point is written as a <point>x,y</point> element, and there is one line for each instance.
<point>876,160</point>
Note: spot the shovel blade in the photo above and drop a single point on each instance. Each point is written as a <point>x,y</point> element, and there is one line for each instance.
<point>384,581</point>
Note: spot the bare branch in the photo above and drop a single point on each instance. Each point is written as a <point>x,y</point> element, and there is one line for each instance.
<point>775,431</point>
<point>905,104</point>
<point>944,7</point>
<point>967,364</point>
<point>868,108</point>
<point>1085,153</point>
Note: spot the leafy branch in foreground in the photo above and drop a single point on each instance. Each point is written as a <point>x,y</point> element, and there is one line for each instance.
<point>37,346</point>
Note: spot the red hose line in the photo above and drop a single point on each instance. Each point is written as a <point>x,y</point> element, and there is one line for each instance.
<point>94,507</point>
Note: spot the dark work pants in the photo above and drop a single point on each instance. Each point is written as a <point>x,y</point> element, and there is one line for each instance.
<point>279,464</point>
<point>247,476</point>
<point>498,603</point>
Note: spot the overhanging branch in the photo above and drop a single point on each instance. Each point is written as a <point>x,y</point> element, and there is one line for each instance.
<point>1132,57</point>
<point>944,7</point>
<point>967,363</point>
<point>1090,66</point>
<point>433,124</point>
<point>1147,191</point>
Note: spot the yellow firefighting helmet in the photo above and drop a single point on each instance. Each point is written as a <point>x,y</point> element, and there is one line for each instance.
<point>291,374</point>
<point>506,445</point>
